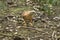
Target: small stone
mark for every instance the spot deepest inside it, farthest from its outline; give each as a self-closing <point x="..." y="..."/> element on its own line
<point x="3" y="38"/>
<point x="58" y="25"/>
<point x="9" y="25"/>
<point x="10" y="38"/>
<point x="18" y="26"/>
<point x="27" y="0"/>
<point x="7" y="28"/>
<point x="16" y="30"/>
<point x="50" y="5"/>
<point x="29" y="38"/>
<point x="47" y="18"/>
<point x="16" y="33"/>
<point x="14" y="17"/>
<point x="43" y="20"/>
<point x="14" y="20"/>
<point x="58" y="32"/>
<point x="41" y="39"/>
<point x="11" y="30"/>
<point x="38" y="17"/>
<point x="0" y="26"/>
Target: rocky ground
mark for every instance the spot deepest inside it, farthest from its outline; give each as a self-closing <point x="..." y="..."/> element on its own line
<point x="45" y="28"/>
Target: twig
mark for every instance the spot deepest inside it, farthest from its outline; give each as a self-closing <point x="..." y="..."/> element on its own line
<point x="6" y="34"/>
<point x="32" y="28"/>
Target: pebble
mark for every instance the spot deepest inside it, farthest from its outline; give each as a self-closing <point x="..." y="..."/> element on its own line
<point x="14" y="17"/>
<point x="58" y="25"/>
<point x="7" y="28"/>
<point x="41" y="39"/>
<point x="16" y="30"/>
<point x="0" y="26"/>
<point x="14" y="20"/>
<point x="9" y="25"/>
<point x="18" y="26"/>
<point x="16" y="33"/>
<point x="11" y="30"/>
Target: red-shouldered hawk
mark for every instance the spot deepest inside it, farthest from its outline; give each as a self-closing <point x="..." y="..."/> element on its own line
<point x="27" y="16"/>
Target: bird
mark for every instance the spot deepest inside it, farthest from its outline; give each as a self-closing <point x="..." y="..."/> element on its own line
<point x="27" y="16"/>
